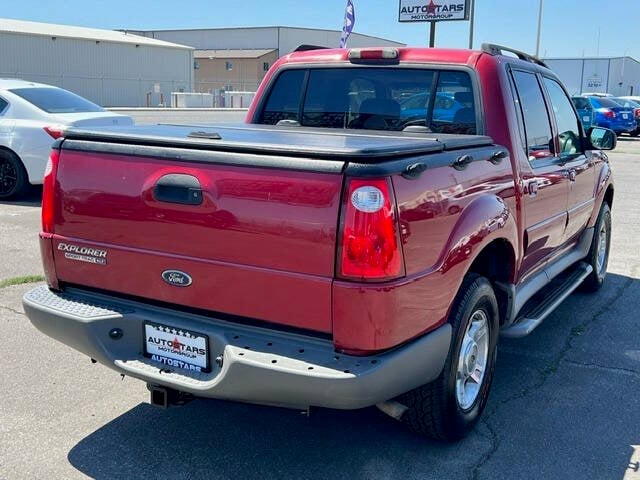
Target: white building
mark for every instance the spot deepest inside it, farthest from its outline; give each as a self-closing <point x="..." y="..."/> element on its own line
<point x="110" y="68"/>
<point x="616" y="75"/>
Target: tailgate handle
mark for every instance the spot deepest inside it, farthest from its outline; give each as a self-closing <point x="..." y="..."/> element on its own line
<point x="178" y="188"/>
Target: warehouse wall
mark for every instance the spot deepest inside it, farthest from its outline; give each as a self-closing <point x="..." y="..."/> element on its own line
<point x="110" y="74"/>
<point x="285" y="39"/>
<point x="219" y="38"/>
<point x="618" y="76"/>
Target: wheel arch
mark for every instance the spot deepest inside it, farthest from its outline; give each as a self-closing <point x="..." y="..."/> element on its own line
<point x="497" y="262"/>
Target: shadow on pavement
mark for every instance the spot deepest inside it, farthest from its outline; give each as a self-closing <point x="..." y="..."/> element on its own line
<point x="217" y="439"/>
<point x="32" y="198"/>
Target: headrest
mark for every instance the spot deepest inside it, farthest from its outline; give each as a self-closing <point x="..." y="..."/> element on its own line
<point x="465" y="98"/>
<point x="380" y="106"/>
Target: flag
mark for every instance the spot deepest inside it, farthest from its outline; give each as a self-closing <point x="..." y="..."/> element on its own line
<point x="349" y="20"/>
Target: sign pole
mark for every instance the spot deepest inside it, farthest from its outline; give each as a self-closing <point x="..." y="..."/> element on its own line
<point x="432" y="34"/>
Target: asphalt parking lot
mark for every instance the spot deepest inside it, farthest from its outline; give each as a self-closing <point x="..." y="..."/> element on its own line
<point x="565" y="403"/>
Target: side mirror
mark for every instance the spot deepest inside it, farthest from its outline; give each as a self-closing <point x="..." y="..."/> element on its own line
<point x="602" y="138"/>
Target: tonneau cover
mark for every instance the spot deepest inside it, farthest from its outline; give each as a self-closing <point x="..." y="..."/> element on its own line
<point x="365" y="146"/>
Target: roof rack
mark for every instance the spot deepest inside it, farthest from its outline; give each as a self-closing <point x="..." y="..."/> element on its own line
<point x="305" y="48"/>
<point x="493" y="49"/>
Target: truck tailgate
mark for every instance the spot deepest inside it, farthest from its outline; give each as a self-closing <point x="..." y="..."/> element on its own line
<point x="261" y="243"/>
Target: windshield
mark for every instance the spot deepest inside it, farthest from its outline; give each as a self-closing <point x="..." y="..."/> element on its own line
<point x="373" y="99"/>
<point x="56" y="100"/>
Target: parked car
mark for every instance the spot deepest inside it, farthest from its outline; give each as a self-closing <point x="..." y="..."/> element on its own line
<point x="610" y="114"/>
<point x="32" y="116"/>
<point x="445" y="107"/>
<point x="366" y="261"/>
<point x="633" y="105"/>
<point x="585" y="111"/>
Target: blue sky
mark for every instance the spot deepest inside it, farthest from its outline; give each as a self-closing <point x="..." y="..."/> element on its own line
<point x="570" y="27"/>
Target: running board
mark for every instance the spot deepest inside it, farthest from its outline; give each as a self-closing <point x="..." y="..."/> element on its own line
<point x="546" y="301"/>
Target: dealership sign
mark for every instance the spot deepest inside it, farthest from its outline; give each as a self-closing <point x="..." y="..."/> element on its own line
<point x="433" y="11"/>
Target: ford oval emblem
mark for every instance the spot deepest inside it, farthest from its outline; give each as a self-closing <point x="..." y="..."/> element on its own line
<point x="176" y="278"/>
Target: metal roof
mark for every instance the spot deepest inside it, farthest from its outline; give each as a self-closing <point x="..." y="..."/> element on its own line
<point x="233" y="53"/>
<point x="8" y="25"/>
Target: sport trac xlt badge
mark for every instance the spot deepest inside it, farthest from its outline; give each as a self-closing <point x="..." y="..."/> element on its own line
<point x="84" y="254"/>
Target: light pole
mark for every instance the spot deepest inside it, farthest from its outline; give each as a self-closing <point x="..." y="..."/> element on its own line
<point x="472" y="8"/>
<point x="539" y="28"/>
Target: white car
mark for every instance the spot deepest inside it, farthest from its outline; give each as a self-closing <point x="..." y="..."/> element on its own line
<point x="32" y="116"/>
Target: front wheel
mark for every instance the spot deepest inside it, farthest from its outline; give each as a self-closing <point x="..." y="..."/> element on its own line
<point x="598" y="256"/>
<point x="449" y="407"/>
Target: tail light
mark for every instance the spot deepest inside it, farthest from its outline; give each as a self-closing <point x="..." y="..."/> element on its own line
<point x="636" y="112"/>
<point x="48" y="192"/>
<point x="54" y="131"/>
<point x="608" y="113"/>
<point x="369" y="247"/>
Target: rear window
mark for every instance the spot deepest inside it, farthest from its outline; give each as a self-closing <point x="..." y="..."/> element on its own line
<point x="606" y="103"/>
<point x="373" y="98"/>
<point x="56" y="100"/>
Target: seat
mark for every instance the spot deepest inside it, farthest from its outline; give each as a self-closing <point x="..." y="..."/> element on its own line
<point x="377" y="114"/>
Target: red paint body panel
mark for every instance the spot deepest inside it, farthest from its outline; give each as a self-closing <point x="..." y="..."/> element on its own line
<point x="263" y="244"/>
<point x="247" y="246"/>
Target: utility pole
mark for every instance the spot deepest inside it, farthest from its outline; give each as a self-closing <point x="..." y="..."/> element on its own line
<point x="539" y="28"/>
<point x="472" y="7"/>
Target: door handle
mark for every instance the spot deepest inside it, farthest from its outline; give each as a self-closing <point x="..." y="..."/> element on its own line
<point x="178" y="188"/>
<point x="572" y="175"/>
<point x="532" y="188"/>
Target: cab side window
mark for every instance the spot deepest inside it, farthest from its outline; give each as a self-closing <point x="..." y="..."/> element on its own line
<point x="535" y="117"/>
<point x="566" y="120"/>
<point x="3" y="106"/>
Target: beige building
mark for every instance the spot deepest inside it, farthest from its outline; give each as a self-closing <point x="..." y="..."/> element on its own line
<point x="229" y="69"/>
<point x="236" y="59"/>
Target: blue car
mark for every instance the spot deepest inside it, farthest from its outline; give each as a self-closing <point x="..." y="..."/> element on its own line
<point x="586" y="112"/>
<point x="444" y="108"/>
<point x="610" y="114"/>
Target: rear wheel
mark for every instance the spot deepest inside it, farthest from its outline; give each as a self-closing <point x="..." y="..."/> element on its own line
<point x="598" y="256"/>
<point x="449" y="407"/>
<point x="13" y="177"/>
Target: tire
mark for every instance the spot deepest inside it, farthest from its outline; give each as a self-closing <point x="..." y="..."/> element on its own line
<point x="635" y="133"/>
<point x="439" y="410"/>
<point x="598" y="256"/>
<point x="13" y="176"/>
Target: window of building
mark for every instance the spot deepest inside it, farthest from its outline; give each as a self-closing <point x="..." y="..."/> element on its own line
<point x="265" y="66"/>
<point x="228" y="65"/>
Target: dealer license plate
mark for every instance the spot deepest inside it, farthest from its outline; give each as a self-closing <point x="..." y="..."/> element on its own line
<point x="586" y="119"/>
<point x="176" y="347"/>
<point x="625" y="115"/>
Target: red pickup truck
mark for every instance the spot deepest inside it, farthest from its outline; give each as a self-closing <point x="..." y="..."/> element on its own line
<point x="383" y="215"/>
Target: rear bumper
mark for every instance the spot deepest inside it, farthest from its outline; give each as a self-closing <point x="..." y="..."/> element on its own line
<point x="258" y="365"/>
